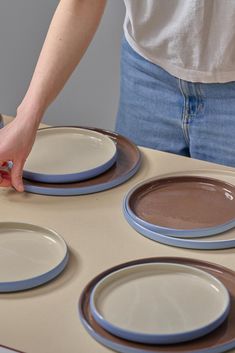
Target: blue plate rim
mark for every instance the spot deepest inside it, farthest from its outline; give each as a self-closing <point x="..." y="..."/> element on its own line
<point x="181" y="233"/>
<point x="28" y="283"/>
<point x="72" y="177"/>
<point x="93" y="188"/>
<point x="159" y="338"/>
<point x="124" y="349"/>
<point x="120" y="345"/>
<point x="178" y="242"/>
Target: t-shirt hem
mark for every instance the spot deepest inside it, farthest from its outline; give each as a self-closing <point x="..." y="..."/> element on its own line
<point x="182" y="73"/>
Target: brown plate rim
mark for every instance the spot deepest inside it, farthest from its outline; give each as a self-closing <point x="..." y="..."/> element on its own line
<point x="212" y="268"/>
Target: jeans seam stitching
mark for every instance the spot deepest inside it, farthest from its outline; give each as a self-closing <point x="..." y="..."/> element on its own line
<point x="185" y="116"/>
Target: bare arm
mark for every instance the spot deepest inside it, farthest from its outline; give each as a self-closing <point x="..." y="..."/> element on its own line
<point x="71" y="30"/>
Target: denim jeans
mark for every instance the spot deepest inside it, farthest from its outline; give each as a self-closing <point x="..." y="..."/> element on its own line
<point x="160" y="111"/>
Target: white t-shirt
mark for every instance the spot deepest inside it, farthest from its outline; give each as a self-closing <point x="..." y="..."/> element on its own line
<point x="191" y="39"/>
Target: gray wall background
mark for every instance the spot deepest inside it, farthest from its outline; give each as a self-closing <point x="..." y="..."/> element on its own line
<point x="91" y="95"/>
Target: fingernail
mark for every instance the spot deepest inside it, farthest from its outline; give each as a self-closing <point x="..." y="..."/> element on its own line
<point x="20" y="188"/>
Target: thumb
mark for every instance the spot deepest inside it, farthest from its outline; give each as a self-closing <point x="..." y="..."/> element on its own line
<point x="16" y="176"/>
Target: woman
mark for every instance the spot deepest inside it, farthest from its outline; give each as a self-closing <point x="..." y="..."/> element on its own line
<point x="177" y="77"/>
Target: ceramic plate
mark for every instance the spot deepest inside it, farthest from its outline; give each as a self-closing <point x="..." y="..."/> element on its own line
<point x="67" y="154"/>
<point x="224" y="240"/>
<point x="219" y="340"/>
<point x="183" y="206"/>
<point x="160" y="303"/>
<point x="127" y="164"/>
<point x="4" y="349"/>
<point x="29" y="256"/>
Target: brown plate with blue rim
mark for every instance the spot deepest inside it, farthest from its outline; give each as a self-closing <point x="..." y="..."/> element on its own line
<point x="220" y="340"/>
<point x="183" y="206"/>
<point x="127" y="163"/>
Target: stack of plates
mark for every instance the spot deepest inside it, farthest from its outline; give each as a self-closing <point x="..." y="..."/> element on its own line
<point x="30" y="256"/>
<point x="161" y="305"/>
<point x="187" y="211"/>
<point x="74" y="161"/>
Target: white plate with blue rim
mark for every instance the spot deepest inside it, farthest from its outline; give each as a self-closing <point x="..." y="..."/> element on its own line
<point x="30" y="256"/>
<point x="127" y="164"/>
<point x="159" y="303"/>
<point x="69" y="154"/>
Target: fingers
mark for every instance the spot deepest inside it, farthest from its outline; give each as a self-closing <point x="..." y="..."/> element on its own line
<point x="16" y="176"/>
<point x="5" y="179"/>
<point x="3" y="164"/>
<point x="12" y="177"/>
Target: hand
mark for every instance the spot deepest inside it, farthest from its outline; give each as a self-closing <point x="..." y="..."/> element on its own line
<point x="5" y="179"/>
<point x="16" y="141"/>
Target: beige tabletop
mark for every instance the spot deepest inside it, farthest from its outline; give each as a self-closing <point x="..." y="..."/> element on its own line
<point x="45" y="319"/>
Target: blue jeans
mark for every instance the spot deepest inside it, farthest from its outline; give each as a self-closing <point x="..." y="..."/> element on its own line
<point x="160" y="111"/>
